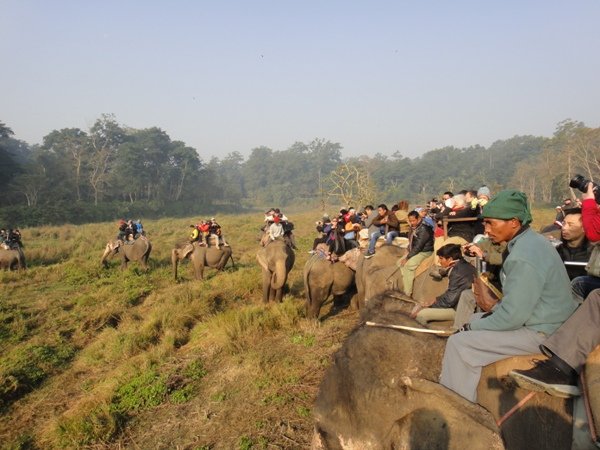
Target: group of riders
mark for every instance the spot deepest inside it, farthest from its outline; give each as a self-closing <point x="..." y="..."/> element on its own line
<point x="278" y="227"/>
<point x="208" y="233"/>
<point x="10" y="239"/>
<point x="130" y="230"/>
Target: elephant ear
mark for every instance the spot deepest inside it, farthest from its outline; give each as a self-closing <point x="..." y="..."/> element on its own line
<point x="185" y="251"/>
<point x="261" y="257"/>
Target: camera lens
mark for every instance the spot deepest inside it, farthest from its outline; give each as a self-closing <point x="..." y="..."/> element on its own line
<point x="579" y="182"/>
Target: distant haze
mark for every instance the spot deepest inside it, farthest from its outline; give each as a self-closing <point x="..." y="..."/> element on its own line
<point x="380" y="76"/>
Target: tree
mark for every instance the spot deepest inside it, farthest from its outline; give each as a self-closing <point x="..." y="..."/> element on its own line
<point x="352" y="185"/>
<point x="105" y="137"/>
<point x="71" y="145"/>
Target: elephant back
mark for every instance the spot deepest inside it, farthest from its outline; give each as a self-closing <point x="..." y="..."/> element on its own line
<point x="138" y="249"/>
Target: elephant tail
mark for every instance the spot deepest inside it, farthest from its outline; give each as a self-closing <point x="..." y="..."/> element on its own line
<point x="307" y="269"/>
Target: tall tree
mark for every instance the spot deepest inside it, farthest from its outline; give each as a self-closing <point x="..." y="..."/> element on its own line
<point x="105" y="137"/>
<point x="72" y="146"/>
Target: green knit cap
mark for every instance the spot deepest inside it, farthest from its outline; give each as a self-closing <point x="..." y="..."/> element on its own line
<point x="508" y="204"/>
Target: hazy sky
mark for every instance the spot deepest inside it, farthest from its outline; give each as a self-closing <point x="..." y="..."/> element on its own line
<point x="375" y="76"/>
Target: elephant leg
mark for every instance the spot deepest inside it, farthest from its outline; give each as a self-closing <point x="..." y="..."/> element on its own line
<point x="277" y="295"/>
<point x="318" y="295"/>
<point x="266" y="285"/>
<point x="124" y="263"/>
<point x="199" y="271"/>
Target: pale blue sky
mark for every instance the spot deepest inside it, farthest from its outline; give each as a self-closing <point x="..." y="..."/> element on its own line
<point x="376" y="76"/>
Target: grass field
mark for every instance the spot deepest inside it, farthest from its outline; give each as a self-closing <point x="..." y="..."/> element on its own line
<point x="102" y="358"/>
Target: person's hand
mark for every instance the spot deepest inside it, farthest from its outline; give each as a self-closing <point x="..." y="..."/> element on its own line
<point x="472" y="250"/>
<point x="589" y="193"/>
<point x="417" y="308"/>
<point x="420" y="306"/>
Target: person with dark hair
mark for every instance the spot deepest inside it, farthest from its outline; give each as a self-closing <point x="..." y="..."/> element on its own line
<point x="122" y="225"/>
<point x="380" y="221"/>
<point x="590" y="216"/>
<point x="536" y="299"/>
<point x="574" y="246"/>
<point x="420" y="246"/>
<point x="460" y="278"/>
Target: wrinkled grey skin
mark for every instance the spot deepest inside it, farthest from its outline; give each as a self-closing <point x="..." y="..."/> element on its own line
<point x="201" y="257"/>
<point x="381" y="392"/>
<point x="12" y="259"/>
<point x="138" y="251"/>
<point x="276" y="260"/>
<point x="322" y="279"/>
<point x="381" y="273"/>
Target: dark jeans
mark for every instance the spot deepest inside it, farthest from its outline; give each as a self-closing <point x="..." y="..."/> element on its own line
<point x="582" y="286"/>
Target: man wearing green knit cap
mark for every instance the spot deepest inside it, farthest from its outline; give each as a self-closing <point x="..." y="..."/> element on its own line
<point x="536" y="298"/>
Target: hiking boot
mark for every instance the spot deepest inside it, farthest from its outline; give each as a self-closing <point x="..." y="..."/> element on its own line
<point x="369" y="255"/>
<point x="546" y="377"/>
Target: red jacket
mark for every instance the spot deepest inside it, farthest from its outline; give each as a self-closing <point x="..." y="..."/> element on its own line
<point x="590" y="216"/>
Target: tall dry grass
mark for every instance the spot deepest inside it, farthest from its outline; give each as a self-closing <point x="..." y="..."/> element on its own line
<point x="103" y="358"/>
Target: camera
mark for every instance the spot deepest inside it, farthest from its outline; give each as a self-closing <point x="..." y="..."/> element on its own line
<point x="581" y="183"/>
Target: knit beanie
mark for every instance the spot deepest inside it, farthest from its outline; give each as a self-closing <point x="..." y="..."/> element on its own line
<point x="508" y="204"/>
<point x="484" y="190"/>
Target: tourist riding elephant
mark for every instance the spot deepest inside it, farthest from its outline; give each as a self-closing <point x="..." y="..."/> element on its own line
<point x="381" y="392"/>
<point x="323" y="278"/>
<point x="201" y="257"/>
<point x="276" y="260"/>
<point x="138" y="250"/>
<point x="381" y="273"/>
<point x="12" y="259"/>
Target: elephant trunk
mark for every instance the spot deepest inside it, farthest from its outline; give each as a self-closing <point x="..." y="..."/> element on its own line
<point x="174" y="261"/>
<point x="279" y="275"/>
<point x="107" y="252"/>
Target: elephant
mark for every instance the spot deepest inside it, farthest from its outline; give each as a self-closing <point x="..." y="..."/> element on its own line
<point x="381" y="392"/>
<point x="12" y="259"/>
<point x="139" y="250"/>
<point x="276" y="260"/>
<point x="201" y="257"/>
<point x="323" y="278"/>
<point x="380" y="273"/>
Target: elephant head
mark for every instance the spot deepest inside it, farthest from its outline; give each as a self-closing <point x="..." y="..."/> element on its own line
<point x="276" y="261"/>
<point x="177" y="254"/>
<point x="111" y="249"/>
<point x="12" y="259"/>
<point x="201" y="257"/>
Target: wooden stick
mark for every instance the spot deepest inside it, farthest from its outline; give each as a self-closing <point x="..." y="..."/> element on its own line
<point x="407" y="328"/>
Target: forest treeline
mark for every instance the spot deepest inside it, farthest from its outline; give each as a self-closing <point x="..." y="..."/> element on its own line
<point x="112" y="171"/>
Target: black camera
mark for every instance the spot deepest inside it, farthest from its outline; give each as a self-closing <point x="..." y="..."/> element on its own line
<point x="581" y="183"/>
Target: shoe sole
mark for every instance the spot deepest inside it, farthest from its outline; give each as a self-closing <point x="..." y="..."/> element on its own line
<point x="556" y="390"/>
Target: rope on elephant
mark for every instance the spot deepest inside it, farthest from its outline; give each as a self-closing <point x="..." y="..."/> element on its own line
<point x="515" y="408"/>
